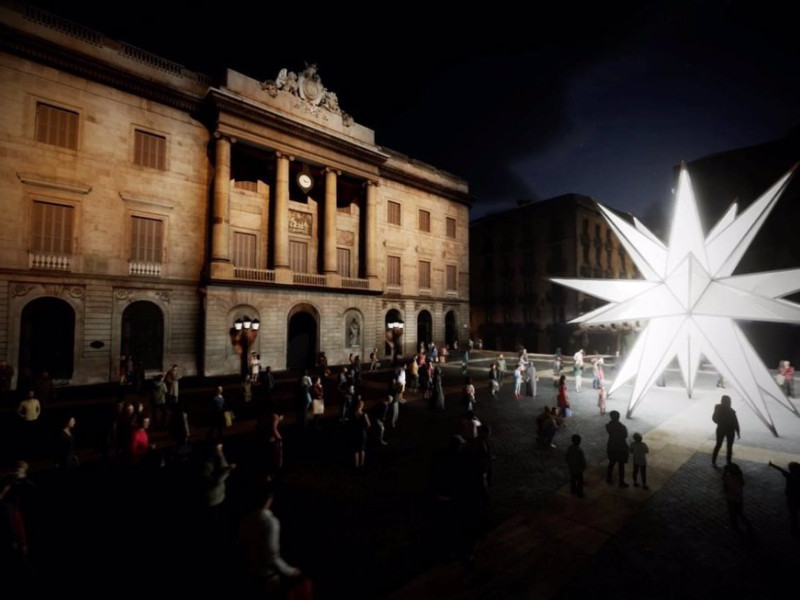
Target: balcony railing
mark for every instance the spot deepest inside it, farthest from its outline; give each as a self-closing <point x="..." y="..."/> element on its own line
<point x="248" y="274"/>
<point x="308" y="278"/>
<point x="144" y="269"/>
<point x="351" y="282"/>
<point x="50" y="262"/>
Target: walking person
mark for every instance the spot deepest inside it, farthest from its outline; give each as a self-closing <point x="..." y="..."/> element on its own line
<point x="302" y="401"/>
<point x="438" y="389"/>
<point x="576" y="463"/>
<point x="639" y="451"/>
<point x="171" y="379"/>
<point x="501" y="368"/>
<point x="518" y="382"/>
<point x="394" y="394"/>
<point x="577" y="369"/>
<point x="359" y="428"/>
<point x="217" y="415"/>
<point x="494" y="381"/>
<point x="28" y="412"/>
<point x="616" y="448"/>
<point x="379" y="412"/>
<point x="259" y="538"/>
<point x="468" y="394"/>
<point x="727" y="425"/>
<point x="158" y="403"/>
<point x="532" y="380"/>
<point x="562" y="399"/>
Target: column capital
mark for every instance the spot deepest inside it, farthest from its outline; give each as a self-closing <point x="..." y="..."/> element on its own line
<point x="336" y="172"/>
<point x="219" y="135"/>
<point x="371" y="182"/>
<point x="280" y="154"/>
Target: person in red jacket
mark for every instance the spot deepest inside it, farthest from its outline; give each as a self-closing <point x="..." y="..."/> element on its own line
<point x="140" y="442"/>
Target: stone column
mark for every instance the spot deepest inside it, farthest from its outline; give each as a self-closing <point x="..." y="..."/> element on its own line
<point x="371" y="233"/>
<point x="281" y="226"/>
<point x="221" y="265"/>
<point x="329" y="267"/>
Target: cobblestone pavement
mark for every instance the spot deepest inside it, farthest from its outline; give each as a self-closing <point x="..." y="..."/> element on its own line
<point x="370" y="534"/>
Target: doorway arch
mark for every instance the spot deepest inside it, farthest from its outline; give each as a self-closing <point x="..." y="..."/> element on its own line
<point x="143" y="334"/>
<point x="47" y="339"/>
<point x="393" y="345"/>
<point x="450" y="328"/>
<point x="301" y="343"/>
<point x="424" y="328"/>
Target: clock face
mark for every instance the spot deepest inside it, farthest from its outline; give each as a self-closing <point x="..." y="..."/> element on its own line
<point x="304" y="181"/>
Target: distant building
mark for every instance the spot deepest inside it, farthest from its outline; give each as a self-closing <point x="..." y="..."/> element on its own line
<point x="149" y="209"/>
<point x="513" y="254"/>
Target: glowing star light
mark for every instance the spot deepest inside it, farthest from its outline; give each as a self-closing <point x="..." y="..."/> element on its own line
<point x="690" y="299"/>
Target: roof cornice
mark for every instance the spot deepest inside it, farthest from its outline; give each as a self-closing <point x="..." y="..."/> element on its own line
<point x="53" y="55"/>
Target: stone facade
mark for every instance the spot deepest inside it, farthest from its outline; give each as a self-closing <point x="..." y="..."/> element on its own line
<point x="148" y="208"/>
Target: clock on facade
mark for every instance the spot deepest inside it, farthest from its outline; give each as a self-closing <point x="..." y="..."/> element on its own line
<point x="305" y="182"/>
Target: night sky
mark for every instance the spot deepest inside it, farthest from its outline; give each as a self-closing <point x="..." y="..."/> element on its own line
<point x="524" y="102"/>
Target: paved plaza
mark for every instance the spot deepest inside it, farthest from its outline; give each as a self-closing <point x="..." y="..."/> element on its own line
<point x="372" y="534"/>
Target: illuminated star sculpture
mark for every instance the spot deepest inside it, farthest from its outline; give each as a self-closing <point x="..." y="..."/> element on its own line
<point x="690" y="300"/>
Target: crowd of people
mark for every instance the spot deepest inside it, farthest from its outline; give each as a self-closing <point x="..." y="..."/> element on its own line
<point x="199" y="467"/>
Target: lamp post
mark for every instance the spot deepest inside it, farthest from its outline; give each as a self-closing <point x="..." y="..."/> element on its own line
<point x="245" y="332"/>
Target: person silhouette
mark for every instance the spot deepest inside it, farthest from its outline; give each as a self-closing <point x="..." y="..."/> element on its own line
<point x="727" y="425"/>
<point x="616" y="448"/>
<point x="792" y="476"/>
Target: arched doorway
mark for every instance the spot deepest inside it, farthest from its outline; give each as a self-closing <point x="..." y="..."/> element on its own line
<point x="301" y="346"/>
<point x="143" y="334"/>
<point x="394" y="334"/>
<point x="47" y="339"/>
<point x="450" y="328"/>
<point x="424" y="328"/>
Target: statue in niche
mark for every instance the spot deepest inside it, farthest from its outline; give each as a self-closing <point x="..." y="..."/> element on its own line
<point x="354" y="332"/>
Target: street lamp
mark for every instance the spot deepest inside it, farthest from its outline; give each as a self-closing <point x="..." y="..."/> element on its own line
<point x="245" y="331"/>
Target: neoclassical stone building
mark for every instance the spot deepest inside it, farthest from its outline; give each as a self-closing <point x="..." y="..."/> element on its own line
<point x="514" y="253"/>
<point x="150" y="211"/>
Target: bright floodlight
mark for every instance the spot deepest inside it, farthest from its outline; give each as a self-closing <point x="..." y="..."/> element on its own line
<point x="690" y="299"/>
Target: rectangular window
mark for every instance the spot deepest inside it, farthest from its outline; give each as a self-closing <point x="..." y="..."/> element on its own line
<point x="147" y="240"/>
<point x="52" y="228"/>
<point x="451" y="227"/>
<point x="56" y="126"/>
<point x="393" y="270"/>
<point x="451" y="275"/>
<point x="425" y="220"/>
<point x="244" y="250"/>
<point x="343" y="261"/>
<point x="393" y="213"/>
<point x="424" y="274"/>
<point x="298" y="256"/>
<point x="150" y="150"/>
